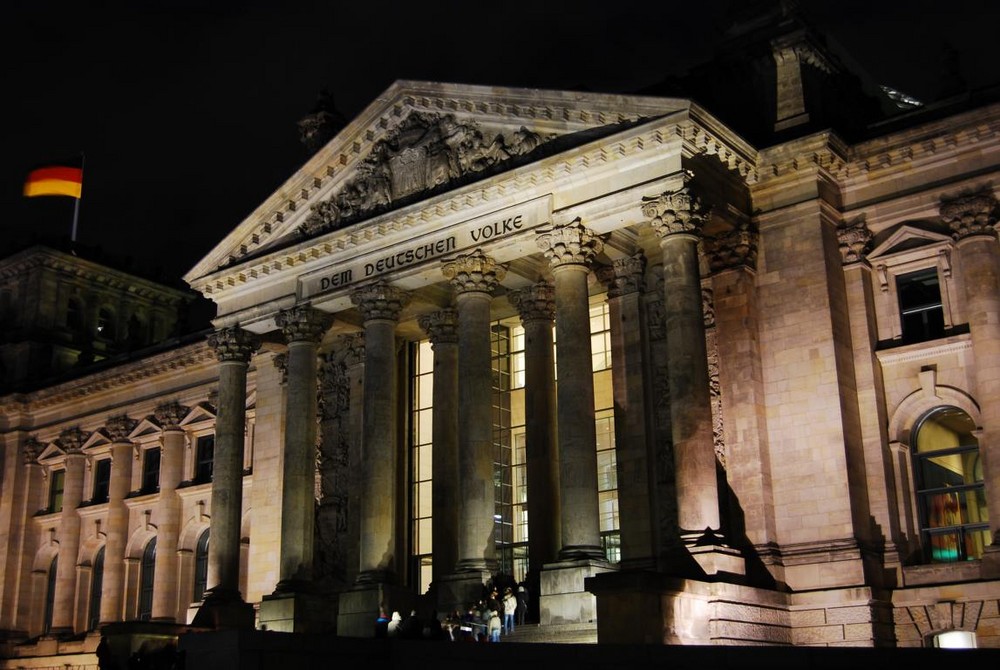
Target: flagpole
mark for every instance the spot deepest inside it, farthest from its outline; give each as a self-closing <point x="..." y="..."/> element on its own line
<point x="76" y="206"/>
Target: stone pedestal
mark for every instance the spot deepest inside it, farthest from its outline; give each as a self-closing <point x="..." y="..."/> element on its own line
<point x="457" y="592"/>
<point x="564" y="597"/>
<point x="359" y="607"/>
<point x="297" y="612"/>
<point x="224" y="609"/>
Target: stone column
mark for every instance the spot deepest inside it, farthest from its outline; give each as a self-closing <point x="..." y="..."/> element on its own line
<point x="677" y="218"/>
<point x="536" y="306"/>
<point x="223" y="605"/>
<point x="113" y="580"/>
<point x="18" y="572"/>
<point x="571" y="249"/>
<point x="442" y="328"/>
<point x="973" y="221"/>
<point x="168" y="511"/>
<point x="303" y="327"/>
<point x="624" y="279"/>
<point x="71" y="441"/>
<point x="474" y="277"/>
<point x="380" y="305"/>
<point x="355" y="362"/>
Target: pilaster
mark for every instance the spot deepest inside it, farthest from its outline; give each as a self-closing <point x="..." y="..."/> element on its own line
<point x="113" y="580"/>
<point x="168" y="511"/>
<point x="63" y="610"/>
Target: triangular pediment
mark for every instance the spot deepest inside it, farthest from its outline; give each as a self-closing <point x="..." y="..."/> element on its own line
<point x="144" y="428"/>
<point x="96" y="443"/>
<point x="51" y="453"/>
<point x="200" y="412"/>
<point x="907" y="237"/>
<point x="419" y="139"/>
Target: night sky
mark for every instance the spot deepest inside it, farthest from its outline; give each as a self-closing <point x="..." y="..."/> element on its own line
<point x="187" y="111"/>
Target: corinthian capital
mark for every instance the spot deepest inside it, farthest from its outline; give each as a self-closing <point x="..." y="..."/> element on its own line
<point x="71" y="440"/>
<point x="32" y="449"/>
<point x="970" y="215"/>
<point x="675" y="212"/>
<point x="535" y="303"/>
<point x="380" y="301"/>
<point x="737" y="248"/>
<point x="170" y="414"/>
<point x="440" y="326"/>
<point x="233" y="344"/>
<point x="624" y="275"/>
<point x="571" y="244"/>
<point x="302" y="324"/>
<point x="475" y="272"/>
<point x="119" y="427"/>
<point x="854" y="238"/>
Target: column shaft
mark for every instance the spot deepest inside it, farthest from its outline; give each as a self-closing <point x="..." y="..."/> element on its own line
<point x="113" y="581"/>
<point x="63" y="611"/>
<point x="168" y="512"/>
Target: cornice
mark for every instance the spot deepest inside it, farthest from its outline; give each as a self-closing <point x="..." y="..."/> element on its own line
<point x="692" y="135"/>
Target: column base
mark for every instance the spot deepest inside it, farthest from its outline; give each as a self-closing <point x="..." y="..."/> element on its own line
<point x="704" y="554"/>
<point x="359" y="607"/>
<point x="224" y="609"/>
<point x="455" y="593"/>
<point x="564" y="596"/>
<point x="297" y="612"/>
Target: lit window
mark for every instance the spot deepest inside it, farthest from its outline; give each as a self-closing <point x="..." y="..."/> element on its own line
<point x="949" y="474"/>
<point x="955" y="639"/>
<point x="920" y="306"/>
<point x="56" y="487"/>
<point x="201" y="567"/>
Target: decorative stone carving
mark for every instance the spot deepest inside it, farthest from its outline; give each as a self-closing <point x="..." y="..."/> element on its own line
<point x="571" y="244"/>
<point x="534" y="303"/>
<point x="854" y="238"/>
<point x="302" y="324"/>
<point x="71" y="440"/>
<point x="715" y="394"/>
<point x="675" y="212"/>
<point x="280" y="362"/>
<point x="118" y="428"/>
<point x="708" y="307"/>
<point x="170" y="414"/>
<point x="321" y="124"/>
<point x="233" y="344"/>
<point x="624" y="275"/>
<point x="656" y="315"/>
<point x="425" y="151"/>
<point x="32" y="450"/>
<point x="353" y="347"/>
<point x="334" y="390"/>
<point x="734" y="249"/>
<point x="475" y="272"/>
<point x="974" y="214"/>
<point x="441" y="326"/>
<point x="380" y="301"/>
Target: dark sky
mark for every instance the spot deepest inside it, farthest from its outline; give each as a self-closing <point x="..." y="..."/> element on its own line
<point x="187" y="111"/>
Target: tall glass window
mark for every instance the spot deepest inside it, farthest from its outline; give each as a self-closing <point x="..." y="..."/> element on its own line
<point x="604" y="417"/>
<point x="949" y="473"/>
<point x="421" y="442"/>
<point x="50" y="595"/>
<point x="147" y="577"/>
<point x="920" y="305"/>
<point x="204" y="458"/>
<point x="96" y="585"/>
<point x="56" y="486"/>
<point x="200" y="567"/>
<point x="151" y="470"/>
<point x="102" y="481"/>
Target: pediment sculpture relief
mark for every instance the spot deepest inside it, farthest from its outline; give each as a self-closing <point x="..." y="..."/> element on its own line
<point x="425" y="151"/>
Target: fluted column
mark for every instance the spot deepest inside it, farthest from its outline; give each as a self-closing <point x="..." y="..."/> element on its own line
<point x="380" y="306"/>
<point x="233" y="347"/>
<point x="677" y="218"/>
<point x="571" y="250"/>
<point x="474" y="277"/>
<point x="442" y="328"/>
<point x="303" y="327"/>
<point x="536" y="306"/>
<point x="168" y="511"/>
<point x="113" y="580"/>
<point x="973" y="222"/>
<point x="71" y="441"/>
<point x="624" y="280"/>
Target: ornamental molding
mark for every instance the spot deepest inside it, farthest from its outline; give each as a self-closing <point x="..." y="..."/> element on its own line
<point x="624" y="276"/>
<point x="474" y="273"/>
<point x="854" y="238"/>
<point x="971" y="214"/>
<point x="570" y="244"/>
<point x="534" y="303"/>
<point x="380" y="301"/>
<point x="736" y="248"/>
<point x="441" y="326"/>
<point x="233" y="344"/>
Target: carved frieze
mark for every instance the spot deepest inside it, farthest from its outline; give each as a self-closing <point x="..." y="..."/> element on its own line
<point x="715" y="395"/>
<point x="425" y="151"/>
<point x="855" y="239"/>
<point x="474" y="272"/>
<point x="571" y="244"/>
<point x="380" y="301"/>
<point x="535" y="303"/>
<point x="974" y="214"/>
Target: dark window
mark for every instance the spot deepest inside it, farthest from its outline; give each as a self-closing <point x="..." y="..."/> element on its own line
<point x="151" y="470"/>
<point x="148" y="576"/>
<point x="102" y="481"/>
<point x="920" y="306"/>
<point x="50" y="595"/>
<point x="205" y="454"/>
<point x="949" y="475"/>
<point x="106" y="323"/>
<point x="56" y="490"/>
<point x="96" y="585"/>
<point x="201" y="567"/>
<point x="74" y="316"/>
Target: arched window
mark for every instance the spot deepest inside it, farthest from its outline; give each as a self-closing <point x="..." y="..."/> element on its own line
<point x="50" y="594"/>
<point x="201" y="567"/>
<point x="147" y="577"/>
<point x="950" y="493"/>
<point x="96" y="584"/>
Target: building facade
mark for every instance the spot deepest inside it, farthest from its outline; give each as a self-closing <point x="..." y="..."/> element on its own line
<point x="599" y="344"/>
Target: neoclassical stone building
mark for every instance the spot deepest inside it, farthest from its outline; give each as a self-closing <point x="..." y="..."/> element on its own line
<point x="600" y="344"/>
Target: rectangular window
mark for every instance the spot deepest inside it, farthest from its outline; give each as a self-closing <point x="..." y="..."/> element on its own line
<point x="421" y="444"/>
<point x="920" y="306"/>
<point x="151" y="470"/>
<point x="204" y="457"/>
<point x="56" y="486"/>
<point x="102" y="481"/>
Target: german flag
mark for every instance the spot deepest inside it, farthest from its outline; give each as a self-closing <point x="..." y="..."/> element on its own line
<point x="54" y="180"/>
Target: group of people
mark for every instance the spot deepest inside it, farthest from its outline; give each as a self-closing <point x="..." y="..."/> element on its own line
<point x="488" y="620"/>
